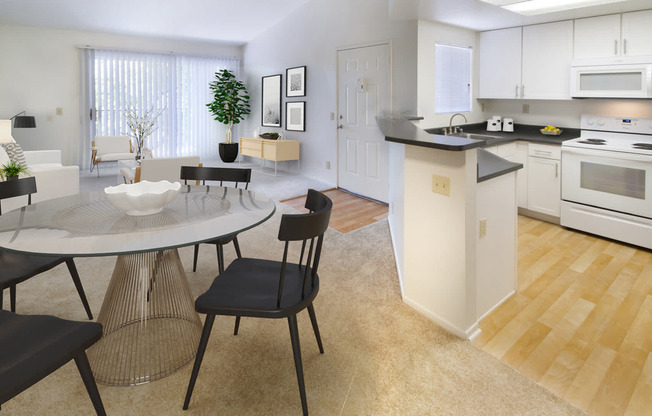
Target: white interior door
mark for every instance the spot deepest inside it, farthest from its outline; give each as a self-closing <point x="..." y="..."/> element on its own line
<point x="364" y="92"/>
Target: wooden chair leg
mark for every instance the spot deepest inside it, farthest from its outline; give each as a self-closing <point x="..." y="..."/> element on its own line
<point x="220" y="257"/>
<point x="194" y="260"/>
<point x="315" y="327"/>
<point x="296" y="350"/>
<point x="206" y="333"/>
<point x="80" y="289"/>
<point x="237" y="247"/>
<point x="89" y="381"/>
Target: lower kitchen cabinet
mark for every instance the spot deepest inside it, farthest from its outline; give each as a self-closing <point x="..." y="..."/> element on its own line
<point x="544" y="179"/>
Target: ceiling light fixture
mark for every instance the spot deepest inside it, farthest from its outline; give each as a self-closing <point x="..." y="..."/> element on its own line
<point x="534" y="7"/>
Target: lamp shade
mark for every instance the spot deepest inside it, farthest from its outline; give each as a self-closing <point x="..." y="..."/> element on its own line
<point x="24" y="122"/>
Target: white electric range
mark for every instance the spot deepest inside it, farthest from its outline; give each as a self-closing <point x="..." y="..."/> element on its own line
<point x="607" y="179"/>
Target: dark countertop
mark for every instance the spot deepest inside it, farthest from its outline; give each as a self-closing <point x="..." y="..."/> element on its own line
<point x="489" y="165"/>
<point x="404" y="131"/>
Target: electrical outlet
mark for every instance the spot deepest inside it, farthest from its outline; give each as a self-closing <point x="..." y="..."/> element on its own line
<point x="441" y="185"/>
<point x="483" y="227"/>
<point x="328" y="165"/>
<point x="526" y="108"/>
<point x="482" y="108"/>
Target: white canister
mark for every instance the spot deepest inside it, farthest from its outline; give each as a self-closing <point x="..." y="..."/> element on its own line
<point x="494" y="125"/>
<point x="508" y="125"/>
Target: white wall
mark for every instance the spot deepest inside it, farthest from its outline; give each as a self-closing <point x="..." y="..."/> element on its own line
<point x="565" y="113"/>
<point x="39" y="72"/>
<point x="311" y="36"/>
<point x="431" y="33"/>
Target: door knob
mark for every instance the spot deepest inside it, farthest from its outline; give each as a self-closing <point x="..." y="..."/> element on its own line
<point x="340" y="126"/>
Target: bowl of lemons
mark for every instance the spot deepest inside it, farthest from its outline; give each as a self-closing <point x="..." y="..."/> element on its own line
<point x="551" y="130"/>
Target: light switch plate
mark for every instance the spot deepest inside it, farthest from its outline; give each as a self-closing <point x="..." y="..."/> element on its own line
<point x="441" y="185"/>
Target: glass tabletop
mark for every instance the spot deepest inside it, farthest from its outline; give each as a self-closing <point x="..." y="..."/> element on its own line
<point x="88" y="225"/>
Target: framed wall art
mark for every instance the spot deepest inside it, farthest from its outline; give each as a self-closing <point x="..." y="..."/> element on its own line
<point x="271" y="101"/>
<point x="295" y="82"/>
<point x="295" y="116"/>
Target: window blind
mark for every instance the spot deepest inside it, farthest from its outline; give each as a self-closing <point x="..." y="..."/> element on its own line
<point x="177" y="86"/>
<point x="452" y="78"/>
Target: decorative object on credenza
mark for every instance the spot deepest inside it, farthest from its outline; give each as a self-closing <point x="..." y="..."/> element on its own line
<point x="295" y="82"/>
<point x="142" y="198"/>
<point x="12" y="169"/>
<point x="295" y="116"/>
<point x="230" y="105"/>
<point x="271" y="101"/>
<point x="269" y="136"/>
<point x="23" y="121"/>
<point x="141" y="125"/>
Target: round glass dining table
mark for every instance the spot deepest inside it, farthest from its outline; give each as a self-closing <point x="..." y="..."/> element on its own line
<point x="151" y="328"/>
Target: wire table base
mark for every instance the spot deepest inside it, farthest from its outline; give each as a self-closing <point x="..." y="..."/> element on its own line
<point x="151" y="328"/>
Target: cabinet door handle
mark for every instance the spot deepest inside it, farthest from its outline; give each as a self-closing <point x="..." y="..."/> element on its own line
<point x="624" y="46"/>
<point x="522" y="91"/>
<point x="543" y="152"/>
<point x="556" y="170"/>
<point x="615" y="46"/>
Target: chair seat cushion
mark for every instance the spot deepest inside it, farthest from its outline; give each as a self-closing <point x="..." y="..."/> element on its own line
<point x="18" y="267"/>
<point x="249" y="287"/>
<point x="112" y="157"/>
<point x="33" y="346"/>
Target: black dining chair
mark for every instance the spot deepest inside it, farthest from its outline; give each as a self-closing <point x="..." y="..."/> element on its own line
<point x="15" y="267"/>
<point x="236" y="176"/>
<point x="272" y="289"/>
<point x="34" y="346"/>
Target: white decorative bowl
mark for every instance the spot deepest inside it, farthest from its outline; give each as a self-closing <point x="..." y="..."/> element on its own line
<point x="142" y="198"/>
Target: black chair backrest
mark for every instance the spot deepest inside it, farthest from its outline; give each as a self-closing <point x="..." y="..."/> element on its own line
<point x="305" y="228"/>
<point x="203" y="173"/>
<point x="18" y="187"/>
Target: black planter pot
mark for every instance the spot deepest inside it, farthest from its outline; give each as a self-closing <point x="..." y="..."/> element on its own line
<point x="228" y="152"/>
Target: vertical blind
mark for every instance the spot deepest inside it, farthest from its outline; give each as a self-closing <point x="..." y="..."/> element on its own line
<point x="452" y="78"/>
<point x="175" y="86"/>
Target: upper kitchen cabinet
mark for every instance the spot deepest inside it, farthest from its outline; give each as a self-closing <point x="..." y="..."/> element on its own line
<point x="500" y="64"/>
<point x="636" y="33"/>
<point x="613" y="36"/>
<point x="532" y="62"/>
<point x="547" y="55"/>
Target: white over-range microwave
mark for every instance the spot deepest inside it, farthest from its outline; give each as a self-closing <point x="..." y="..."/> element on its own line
<point x="611" y="81"/>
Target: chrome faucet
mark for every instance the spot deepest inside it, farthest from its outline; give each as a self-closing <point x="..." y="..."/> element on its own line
<point x="450" y="124"/>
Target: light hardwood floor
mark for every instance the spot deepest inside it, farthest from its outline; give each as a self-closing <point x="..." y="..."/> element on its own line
<point x="581" y="322"/>
<point x="349" y="213"/>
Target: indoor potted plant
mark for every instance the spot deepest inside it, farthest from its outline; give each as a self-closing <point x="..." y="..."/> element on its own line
<point x="11" y="170"/>
<point x="229" y="106"/>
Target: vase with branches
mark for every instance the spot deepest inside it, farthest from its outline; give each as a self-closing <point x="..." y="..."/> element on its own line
<point x="230" y="103"/>
<point x="141" y="125"/>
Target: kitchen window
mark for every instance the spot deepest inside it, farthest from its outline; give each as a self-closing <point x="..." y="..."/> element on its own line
<point x="452" y="78"/>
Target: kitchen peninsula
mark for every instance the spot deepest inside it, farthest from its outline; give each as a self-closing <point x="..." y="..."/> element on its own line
<point x="457" y="226"/>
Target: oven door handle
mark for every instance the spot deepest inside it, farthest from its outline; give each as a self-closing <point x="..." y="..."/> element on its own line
<point x="606" y="153"/>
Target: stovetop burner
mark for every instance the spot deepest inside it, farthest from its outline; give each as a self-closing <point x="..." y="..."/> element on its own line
<point x="593" y="141"/>
<point x="645" y="146"/>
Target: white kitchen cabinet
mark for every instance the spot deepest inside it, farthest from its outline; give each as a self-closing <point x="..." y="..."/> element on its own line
<point x="615" y="35"/>
<point x="517" y="152"/>
<point x="547" y="56"/>
<point x="636" y="33"/>
<point x="544" y="179"/>
<point x="532" y="62"/>
<point x="500" y="64"/>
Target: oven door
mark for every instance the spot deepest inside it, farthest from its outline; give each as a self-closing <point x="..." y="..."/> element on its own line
<point x="605" y="179"/>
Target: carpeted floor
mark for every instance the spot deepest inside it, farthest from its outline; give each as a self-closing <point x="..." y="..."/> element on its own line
<point x="381" y="357"/>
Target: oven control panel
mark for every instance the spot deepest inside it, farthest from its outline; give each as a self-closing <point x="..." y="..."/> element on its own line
<point x="640" y="125"/>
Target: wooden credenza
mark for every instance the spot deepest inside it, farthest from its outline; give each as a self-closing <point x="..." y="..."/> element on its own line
<point x="272" y="150"/>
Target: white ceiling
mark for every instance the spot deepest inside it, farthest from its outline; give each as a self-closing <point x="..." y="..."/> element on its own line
<point x="239" y="21"/>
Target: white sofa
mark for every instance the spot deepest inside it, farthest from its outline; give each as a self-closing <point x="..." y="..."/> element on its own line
<point x="53" y="180"/>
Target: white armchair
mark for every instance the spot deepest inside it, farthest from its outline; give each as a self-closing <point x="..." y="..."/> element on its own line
<point x="53" y="180"/>
<point x="110" y="149"/>
<point x="164" y="169"/>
